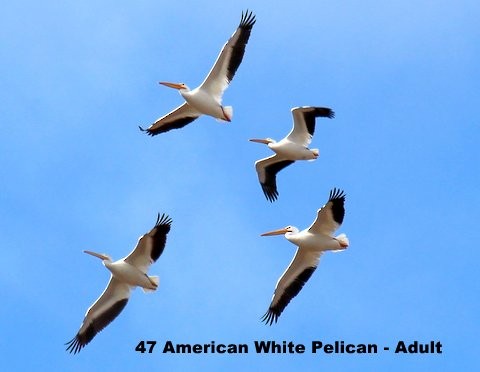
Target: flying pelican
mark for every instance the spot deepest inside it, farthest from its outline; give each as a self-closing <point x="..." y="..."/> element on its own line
<point x="293" y="147"/>
<point x="127" y="273"/>
<point x="311" y="242"/>
<point x="207" y="98"/>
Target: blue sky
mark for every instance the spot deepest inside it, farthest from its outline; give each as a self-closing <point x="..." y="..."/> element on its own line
<point x="78" y="78"/>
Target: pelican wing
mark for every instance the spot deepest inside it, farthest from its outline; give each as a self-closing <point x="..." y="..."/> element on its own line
<point x="330" y="216"/>
<point x="291" y="282"/>
<point x="175" y="119"/>
<point x="107" y="307"/>
<point x="151" y="245"/>
<point x="304" y="123"/>
<point x="229" y="58"/>
<point x="267" y="170"/>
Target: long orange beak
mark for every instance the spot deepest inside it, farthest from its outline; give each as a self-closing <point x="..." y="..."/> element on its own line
<point x="172" y="85"/>
<point x="259" y="140"/>
<point x="275" y="232"/>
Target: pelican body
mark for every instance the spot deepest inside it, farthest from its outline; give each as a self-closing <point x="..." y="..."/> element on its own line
<point x="202" y="101"/>
<point x="126" y="274"/>
<point x="311" y="243"/>
<point x="308" y="240"/>
<point x="290" y="149"/>
<point x="206" y="99"/>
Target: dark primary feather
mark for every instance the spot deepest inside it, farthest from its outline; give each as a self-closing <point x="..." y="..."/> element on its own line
<point x="159" y="235"/>
<point x="97" y="324"/>
<point x="176" y="124"/>
<point x="315" y="113"/>
<point x="269" y="186"/>
<point x="337" y="198"/>
<point x="290" y="292"/>
<point x="245" y="27"/>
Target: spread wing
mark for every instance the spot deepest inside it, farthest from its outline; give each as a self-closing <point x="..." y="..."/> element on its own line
<point x="304" y="123"/>
<point x="151" y="245"/>
<point x="107" y="307"/>
<point x="291" y="282"/>
<point x="229" y="58"/>
<point x="330" y="216"/>
<point x="175" y="119"/>
<point x="267" y="170"/>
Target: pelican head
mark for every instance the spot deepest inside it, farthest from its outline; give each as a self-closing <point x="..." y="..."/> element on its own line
<point x="265" y="141"/>
<point x="288" y="229"/>
<point x="179" y="86"/>
<point x="102" y="256"/>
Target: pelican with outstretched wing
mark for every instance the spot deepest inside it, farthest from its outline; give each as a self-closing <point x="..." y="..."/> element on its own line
<point x="311" y="242"/>
<point x="127" y="273"/>
<point x="290" y="149"/>
<point x="206" y="99"/>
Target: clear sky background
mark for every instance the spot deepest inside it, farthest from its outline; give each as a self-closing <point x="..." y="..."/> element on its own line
<point x="77" y="78"/>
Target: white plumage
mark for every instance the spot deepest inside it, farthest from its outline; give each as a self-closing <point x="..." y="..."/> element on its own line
<point x="290" y="149"/>
<point x="311" y="242"/>
<point x="206" y="99"/>
<point x="126" y="274"/>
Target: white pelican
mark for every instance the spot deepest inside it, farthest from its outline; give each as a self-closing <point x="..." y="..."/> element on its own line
<point x="206" y="99"/>
<point x="127" y="273"/>
<point x="293" y="147"/>
<point x="311" y="242"/>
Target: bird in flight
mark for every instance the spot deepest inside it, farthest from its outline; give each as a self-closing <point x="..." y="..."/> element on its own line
<point x="126" y="274"/>
<point x="311" y="242"/>
<point x="206" y="99"/>
<point x="290" y="149"/>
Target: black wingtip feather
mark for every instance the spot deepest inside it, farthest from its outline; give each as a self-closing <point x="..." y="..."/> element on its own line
<point x="98" y="324"/>
<point x="163" y="221"/>
<point x="337" y="194"/>
<point x="324" y="112"/>
<point x="289" y="293"/>
<point x="245" y="27"/>
<point x="269" y="186"/>
<point x="177" y="124"/>
<point x="248" y="20"/>
<point x="270" y="317"/>
<point x="159" y="234"/>
<point x="270" y="192"/>
<point x="310" y="113"/>
<point x="337" y="197"/>
<point x="147" y="131"/>
<point x="74" y="345"/>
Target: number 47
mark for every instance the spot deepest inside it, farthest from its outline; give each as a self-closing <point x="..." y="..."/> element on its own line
<point x="141" y="346"/>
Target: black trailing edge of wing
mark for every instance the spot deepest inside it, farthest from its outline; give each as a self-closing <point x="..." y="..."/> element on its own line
<point x="290" y="292"/>
<point x="310" y="116"/>
<point x="177" y="124"/>
<point x="245" y="27"/>
<point x="269" y="187"/>
<point x="81" y="339"/>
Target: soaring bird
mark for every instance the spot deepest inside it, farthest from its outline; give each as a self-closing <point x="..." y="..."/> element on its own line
<point x="127" y="273"/>
<point x="293" y="147"/>
<point x="206" y="99"/>
<point x="311" y="242"/>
